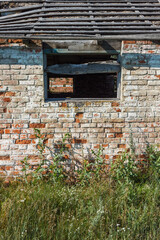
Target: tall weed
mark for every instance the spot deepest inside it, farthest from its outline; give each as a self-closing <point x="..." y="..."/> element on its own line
<point x="100" y="211"/>
<point x="123" y="206"/>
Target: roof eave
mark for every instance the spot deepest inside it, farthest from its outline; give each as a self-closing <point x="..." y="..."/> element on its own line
<point x="107" y="37"/>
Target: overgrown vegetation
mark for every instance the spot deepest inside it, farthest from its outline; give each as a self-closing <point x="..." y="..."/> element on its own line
<point x="55" y="169"/>
<point x="123" y="205"/>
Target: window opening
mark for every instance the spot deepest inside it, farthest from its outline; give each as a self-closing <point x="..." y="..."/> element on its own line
<point x="82" y="76"/>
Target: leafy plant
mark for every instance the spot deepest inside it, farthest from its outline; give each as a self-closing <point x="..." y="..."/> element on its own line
<point x="92" y="169"/>
<point x="25" y="169"/>
<point x="124" y="168"/>
<point x="153" y="161"/>
<point x="47" y="169"/>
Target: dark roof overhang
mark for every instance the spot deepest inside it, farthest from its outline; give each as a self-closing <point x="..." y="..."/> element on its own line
<point x="82" y="19"/>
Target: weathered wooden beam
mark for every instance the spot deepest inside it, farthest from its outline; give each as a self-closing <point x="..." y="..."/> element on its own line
<point x="21" y="8"/>
<point x="22" y="1"/>
<point x="54" y="1"/>
<point x="70" y="28"/>
<point x="101" y="4"/>
<point x="99" y="28"/>
<point x="98" y="19"/>
<point x="80" y="32"/>
<point x="50" y="12"/>
<point x="77" y="8"/>
<point x="84" y="4"/>
<point x="86" y="68"/>
<point x="79" y="18"/>
<point x="47" y="23"/>
<point x="139" y="21"/>
<point x="77" y="25"/>
<point x="30" y="14"/>
<point x="153" y="36"/>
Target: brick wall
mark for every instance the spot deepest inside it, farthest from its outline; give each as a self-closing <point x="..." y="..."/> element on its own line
<point x="91" y="123"/>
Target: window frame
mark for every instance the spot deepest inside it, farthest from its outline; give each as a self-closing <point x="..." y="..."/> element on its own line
<point x="46" y="85"/>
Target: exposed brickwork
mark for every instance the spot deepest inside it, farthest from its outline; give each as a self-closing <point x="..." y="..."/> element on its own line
<point x="90" y="123"/>
<point x="63" y="85"/>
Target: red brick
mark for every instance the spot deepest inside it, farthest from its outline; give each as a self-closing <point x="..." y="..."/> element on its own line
<point x="61" y="115"/>
<point x="126" y="46"/>
<point x="107" y="157"/>
<point x="45" y="141"/>
<point x="2" y="173"/>
<point x="16" y="173"/>
<point x="2" y="168"/>
<point x="142" y="61"/>
<point x="105" y="145"/>
<point x="65" y="157"/>
<point x="115" y="157"/>
<point x="7" y="125"/>
<point x="1" y="131"/>
<point x="2" y="94"/>
<point x="18" y="125"/>
<point x="33" y="157"/>
<point x="16" y="131"/>
<point x="7" y="158"/>
<point x="79" y="115"/>
<point x="37" y="125"/>
<point x="6" y="100"/>
<point x="115" y="104"/>
<point x="129" y="42"/>
<point x="96" y="115"/>
<point x="115" y="130"/>
<point x="3" y="41"/>
<point x="68" y="146"/>
<point x="150" y="51"/>
<point x="23" y="141"/>
<point x="23" y="136"/>
<point x="97" y="146"/>
<point x="77" y="120"/>
<point x="64" y="105"/>
<point x="15" y="40"/>
<point x="79" y="141"/>
<point x="9" y="94"/>
<point x="8" y="131"/>
<point x="32" y="136"/>
<point x="8" y="168"/>
<point x="119" y="135"/>
<point x="110" y="136"/>
<point x="121" y="145"/>
<point x="49" y="136"/>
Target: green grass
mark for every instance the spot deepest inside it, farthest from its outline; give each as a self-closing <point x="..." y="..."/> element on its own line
<point x="125" y="205"/>
<point x="101" y="210"/>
